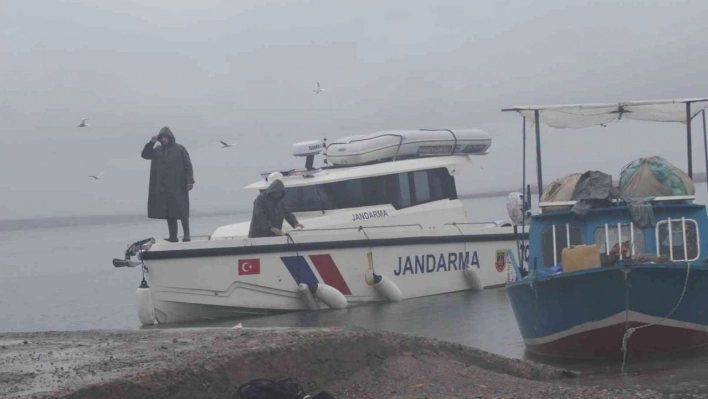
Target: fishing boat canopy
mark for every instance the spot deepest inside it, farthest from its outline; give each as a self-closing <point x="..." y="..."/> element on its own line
<point x="586" y="115"/>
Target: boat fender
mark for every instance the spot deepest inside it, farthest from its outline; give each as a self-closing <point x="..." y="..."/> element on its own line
<point x="473" y="278"/>
<point x="143" y="299"/>
<point x="387" y="288"/>
<point x="329" y="295"/>
<point x="307" y="298"/>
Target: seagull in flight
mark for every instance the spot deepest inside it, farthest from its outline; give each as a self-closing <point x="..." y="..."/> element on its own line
<point x="227" y="145"/>
<point x="318" y="89"/>
<point x="98" y="176"/>
<point x="83" y="122"/>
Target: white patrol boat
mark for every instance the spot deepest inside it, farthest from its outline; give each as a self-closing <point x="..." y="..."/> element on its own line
<point x="382" y="223"/>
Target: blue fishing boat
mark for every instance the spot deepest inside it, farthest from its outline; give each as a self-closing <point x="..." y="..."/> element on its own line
<point x="610" y="275"/>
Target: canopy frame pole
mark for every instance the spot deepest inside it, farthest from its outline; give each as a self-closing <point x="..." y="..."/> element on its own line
<point x="705" y="139"/>
<point x="688" y="140"/>
<point x="523" y="190"/>
<point x="539" y="170"/>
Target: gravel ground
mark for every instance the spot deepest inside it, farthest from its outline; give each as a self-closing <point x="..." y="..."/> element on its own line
<point x="212" y="362"/>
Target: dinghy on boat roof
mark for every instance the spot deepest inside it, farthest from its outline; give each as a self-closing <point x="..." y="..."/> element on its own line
<point x="404" y="144"/>
<point x="389" y="146"/>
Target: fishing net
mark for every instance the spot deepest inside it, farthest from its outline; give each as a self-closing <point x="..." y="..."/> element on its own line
<point x="654" y="177"/>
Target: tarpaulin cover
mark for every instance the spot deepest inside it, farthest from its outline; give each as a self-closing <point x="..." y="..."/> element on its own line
<point x="641" y="211"/>
<point x="560" y="190"/>
<point x="594" y="188"/>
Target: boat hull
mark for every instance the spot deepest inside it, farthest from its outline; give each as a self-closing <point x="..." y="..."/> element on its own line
<point x="227" y="278"/>
<point x="586" y="314"/>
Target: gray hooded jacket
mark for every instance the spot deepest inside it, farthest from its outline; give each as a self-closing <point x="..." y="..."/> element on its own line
<point x="269" y="210"/>
<point x="170" y="172"/>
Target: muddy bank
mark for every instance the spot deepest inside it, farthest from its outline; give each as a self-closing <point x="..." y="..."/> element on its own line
<point x="211" y="363"/>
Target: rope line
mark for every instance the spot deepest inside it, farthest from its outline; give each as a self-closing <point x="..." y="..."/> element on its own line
<point x="628" y="332"/>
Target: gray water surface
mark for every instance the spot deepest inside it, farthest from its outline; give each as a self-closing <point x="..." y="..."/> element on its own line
<point x="62" y="278"/>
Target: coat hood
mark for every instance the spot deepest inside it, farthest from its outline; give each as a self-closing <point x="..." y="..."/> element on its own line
<point x="165" y="131"/>
<point x="275" y="188"/>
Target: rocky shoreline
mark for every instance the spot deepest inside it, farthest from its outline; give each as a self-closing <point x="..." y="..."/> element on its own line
<point x="212" y="362"/>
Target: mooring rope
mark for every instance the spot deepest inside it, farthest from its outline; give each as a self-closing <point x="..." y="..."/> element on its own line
<point x="290" y="240"/>
<point x="628" y="332"/>
<point x="464" y="242"/>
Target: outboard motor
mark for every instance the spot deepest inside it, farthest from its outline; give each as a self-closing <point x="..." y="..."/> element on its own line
<point x="133" y="250"/>
<point x="143" y="297"/>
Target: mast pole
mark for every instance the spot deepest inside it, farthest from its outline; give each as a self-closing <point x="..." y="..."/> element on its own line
<point x="705" y="140"/>
<point x="688" y="140"/>
<point x="539" y="172"/>
<point x="522" y="251"/>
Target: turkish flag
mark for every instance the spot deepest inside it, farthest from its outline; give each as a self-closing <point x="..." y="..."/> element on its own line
<point x="249" y="266"/>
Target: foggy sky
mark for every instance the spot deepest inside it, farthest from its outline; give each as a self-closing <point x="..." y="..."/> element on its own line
<point x="225" y="70"/>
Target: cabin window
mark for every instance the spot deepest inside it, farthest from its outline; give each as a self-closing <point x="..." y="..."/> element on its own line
<point x="422" y="186"/>
<point x="399" y="190"/>
<point x="682" y="243"/>
<point x="608" y="237"/>
<point x="306" y="199"/>
<point x="438" y="184"/>
<point x="347" y="194"/>
<point x="556" y="238"/>
<point x="404" y="188"/>
<point x="431" y="185"/>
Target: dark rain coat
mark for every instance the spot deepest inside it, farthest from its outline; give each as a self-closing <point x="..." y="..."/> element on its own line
<point x="170" y="172"/>
<point x="269" y="210"/>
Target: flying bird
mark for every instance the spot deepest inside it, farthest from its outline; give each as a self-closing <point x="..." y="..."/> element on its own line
<point x="226" y="145"/>
<point x="83" y="122"/>
<point x="318" y="89"/>
<point x="98" y="176"/>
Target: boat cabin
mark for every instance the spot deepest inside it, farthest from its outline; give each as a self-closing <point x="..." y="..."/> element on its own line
<point x="675" y="235"/>
<point x="401" y="168"/>
<point x="405" y="184"/>
<point x="390" y="178"/>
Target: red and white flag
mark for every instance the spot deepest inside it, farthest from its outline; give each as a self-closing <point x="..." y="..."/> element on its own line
<point x="249" y="266"/>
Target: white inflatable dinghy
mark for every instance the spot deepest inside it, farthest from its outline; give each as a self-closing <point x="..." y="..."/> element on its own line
<point x="402" y="144"/>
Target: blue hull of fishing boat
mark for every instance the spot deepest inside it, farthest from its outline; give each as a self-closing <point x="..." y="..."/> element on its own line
<point x="585" y="314"/>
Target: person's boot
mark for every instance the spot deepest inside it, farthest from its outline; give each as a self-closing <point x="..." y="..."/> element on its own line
<point x="172" y="228"/>
<point x="185" y="228"/>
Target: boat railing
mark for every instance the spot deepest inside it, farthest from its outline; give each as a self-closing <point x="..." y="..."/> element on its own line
<point x="491" y="222"/>
<point x="674" y="198"/>
<point x="419" y="226"/>
<point x="683" y="224"/>
<point x="619" y="243"/>
<point x="619" y="234"/>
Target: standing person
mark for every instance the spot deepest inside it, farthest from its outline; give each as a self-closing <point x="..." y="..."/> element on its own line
<point x="171" y="179"/>
<point x="269" y="211"/>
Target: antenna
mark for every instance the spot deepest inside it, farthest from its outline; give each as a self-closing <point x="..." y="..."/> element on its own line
<point x="324" y="144"/>
<point x="308" y="149"/>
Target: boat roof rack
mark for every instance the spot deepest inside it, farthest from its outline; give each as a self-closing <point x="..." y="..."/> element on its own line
<point x="673" y="198"/>
<point x="308" y="173"/>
